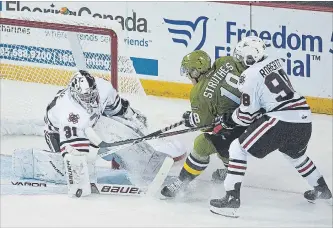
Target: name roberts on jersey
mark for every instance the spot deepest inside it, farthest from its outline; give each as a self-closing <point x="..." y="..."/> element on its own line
<point x="266" y="89"/>
<point x="270" y="67"/>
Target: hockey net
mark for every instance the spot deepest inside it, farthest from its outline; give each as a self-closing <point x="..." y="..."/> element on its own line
<point x="38" y="55"/>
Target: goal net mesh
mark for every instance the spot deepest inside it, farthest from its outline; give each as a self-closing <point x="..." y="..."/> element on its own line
<point x="39" y="54"/>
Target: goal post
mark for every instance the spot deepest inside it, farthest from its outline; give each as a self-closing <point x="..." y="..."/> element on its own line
<point x="40" y="52"/>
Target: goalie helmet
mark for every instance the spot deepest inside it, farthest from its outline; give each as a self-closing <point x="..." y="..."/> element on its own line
<point x="83" y="90"/>
<point x="195" y="64"/>
<point x="249" y="50"/>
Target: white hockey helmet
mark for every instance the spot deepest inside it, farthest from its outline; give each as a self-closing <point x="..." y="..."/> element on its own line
<point x="83" y="89"/>
<point x="249" y="50"/>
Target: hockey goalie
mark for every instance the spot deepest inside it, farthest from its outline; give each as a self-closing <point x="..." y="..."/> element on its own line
<point x="92" y="103"/>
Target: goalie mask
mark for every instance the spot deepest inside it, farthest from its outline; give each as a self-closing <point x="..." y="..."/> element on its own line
<point x="249" y="50"/>
<point x="195" y="64"/>
<point x="84" y="91"/>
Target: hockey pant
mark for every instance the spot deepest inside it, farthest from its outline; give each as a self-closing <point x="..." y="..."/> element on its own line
<point x="265" y="136"/>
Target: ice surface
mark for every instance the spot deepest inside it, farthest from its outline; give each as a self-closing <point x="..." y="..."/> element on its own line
<point x="271" y="196"/>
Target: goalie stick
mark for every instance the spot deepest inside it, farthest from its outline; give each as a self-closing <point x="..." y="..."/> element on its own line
<point x="102" y="144"/>
<point x="48" y="187"/>
<point x="105" y="148"/>
<point x="166" y="128"/>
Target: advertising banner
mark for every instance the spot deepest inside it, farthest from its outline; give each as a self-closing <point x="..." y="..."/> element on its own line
<point x="158" y="34"/>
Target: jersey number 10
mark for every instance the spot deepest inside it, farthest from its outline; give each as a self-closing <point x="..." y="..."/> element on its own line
<point x="231" y="80"/>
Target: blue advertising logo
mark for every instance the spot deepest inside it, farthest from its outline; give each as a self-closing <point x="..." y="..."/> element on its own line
<point x="187" y="29"/>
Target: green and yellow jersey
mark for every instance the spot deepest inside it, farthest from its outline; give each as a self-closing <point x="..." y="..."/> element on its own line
<point x="216" y="92"/>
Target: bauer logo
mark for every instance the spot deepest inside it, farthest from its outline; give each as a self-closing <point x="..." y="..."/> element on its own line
<point x="191" y="34"/>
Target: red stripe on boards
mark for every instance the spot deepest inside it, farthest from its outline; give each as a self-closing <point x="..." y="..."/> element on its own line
<point x="280" y="5"/>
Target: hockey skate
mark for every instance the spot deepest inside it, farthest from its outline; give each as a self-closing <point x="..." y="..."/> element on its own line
<point x="228" y="205"/>
<point x="320" y="192"/>
<point x="171" y="190"/>
<point x="219" y="175"/>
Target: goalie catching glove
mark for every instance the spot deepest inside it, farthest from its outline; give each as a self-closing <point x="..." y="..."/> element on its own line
<point x="134" y="115"/>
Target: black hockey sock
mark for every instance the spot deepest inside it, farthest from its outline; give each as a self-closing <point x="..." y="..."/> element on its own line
<point x="192" y="168"/>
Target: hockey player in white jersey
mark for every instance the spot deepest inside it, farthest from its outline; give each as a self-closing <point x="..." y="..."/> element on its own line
<point x="74" y="110"/>
<point x="277" y="118"/>
<point x="86" y="103"/>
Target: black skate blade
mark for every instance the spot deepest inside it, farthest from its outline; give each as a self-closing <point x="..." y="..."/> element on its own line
<point x="227" y="212"/>
<point x="327" y="201"/>
<point x="311" y="201"/>
<point x="162" y="197"/>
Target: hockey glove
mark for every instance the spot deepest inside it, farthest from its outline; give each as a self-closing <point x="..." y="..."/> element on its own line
<point x="224" y="124"/>
<point x="142" y="119"/>
<point x="191" y="119"/>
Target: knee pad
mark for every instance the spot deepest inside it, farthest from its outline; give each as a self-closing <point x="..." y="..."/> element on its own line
<point x="236" y="151"/>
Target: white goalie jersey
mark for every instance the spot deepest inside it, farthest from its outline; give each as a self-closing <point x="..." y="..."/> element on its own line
<point x="266" y="89"/>
<point x="112" y="118"/>
<point x="70" y="119"/>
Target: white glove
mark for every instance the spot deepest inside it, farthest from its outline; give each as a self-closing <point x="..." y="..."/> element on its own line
<point x="139" y="117"/>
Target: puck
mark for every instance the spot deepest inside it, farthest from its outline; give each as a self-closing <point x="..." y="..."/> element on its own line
<point x="78" y="193"/>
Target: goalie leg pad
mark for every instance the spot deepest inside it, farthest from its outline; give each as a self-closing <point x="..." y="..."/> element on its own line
<point x="77" y="174"/>
<point x="38" y="164"/>
<point x="174" y="148"/>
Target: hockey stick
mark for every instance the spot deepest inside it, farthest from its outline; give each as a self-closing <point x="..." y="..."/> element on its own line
<point x="166" y="128"/>
<point x="103" y="151"/>
<point x="103" y="145"/>
<point x="47" y="187"/>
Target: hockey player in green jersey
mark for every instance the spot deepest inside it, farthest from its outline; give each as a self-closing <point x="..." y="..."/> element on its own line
<point x="214" y="93"/>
